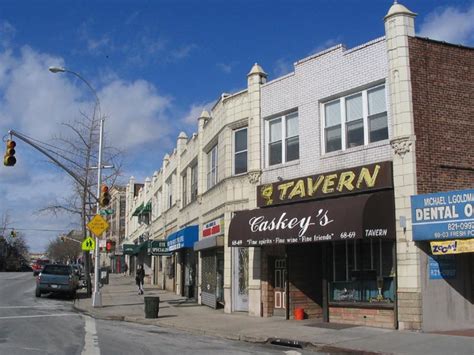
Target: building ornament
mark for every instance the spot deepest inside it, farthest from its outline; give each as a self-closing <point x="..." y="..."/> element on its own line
<point x="254" y="176"/>
<point x="401" y="145"/>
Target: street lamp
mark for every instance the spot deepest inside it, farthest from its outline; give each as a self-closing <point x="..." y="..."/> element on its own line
<point x="97" y="296"/>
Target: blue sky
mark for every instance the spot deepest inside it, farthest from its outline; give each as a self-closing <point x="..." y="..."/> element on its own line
<point x="155" y="65"/>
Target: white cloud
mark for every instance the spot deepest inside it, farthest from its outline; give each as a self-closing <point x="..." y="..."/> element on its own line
<point x="282" y="67"/>
<point x="227" y="67"/>
<point x="450" y="24"/>
<point x="34" y="101"/>
<point x="190" y="119"/>
<point x="325" y="45"/>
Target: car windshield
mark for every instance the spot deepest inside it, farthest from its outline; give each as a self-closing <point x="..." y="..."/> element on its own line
<point x="56" y="269"/>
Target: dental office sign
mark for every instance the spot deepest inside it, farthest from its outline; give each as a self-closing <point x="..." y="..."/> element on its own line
<point x="441" y="216"/>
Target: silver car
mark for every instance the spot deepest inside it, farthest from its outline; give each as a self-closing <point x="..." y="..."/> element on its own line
<point x="57" y="278"/>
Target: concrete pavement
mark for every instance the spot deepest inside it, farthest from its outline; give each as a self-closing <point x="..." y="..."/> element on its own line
<point x="121" y="301"/>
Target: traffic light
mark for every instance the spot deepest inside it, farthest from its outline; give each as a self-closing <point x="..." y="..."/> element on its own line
<point x="13" y="234"/>
<point x="63" y="239"/>
<point x="108" y="246"/>
<point x="104" y="196"/>
<point x="9" y="157"/>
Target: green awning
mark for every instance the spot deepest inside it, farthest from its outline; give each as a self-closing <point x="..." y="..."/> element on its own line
<point x="146" y="209"/>
<point x="130" y="249"/>
<point x="137" y="210"/>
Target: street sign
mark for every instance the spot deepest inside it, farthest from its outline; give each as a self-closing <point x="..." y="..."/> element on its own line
<point x="98" y="225"/>
<point x="106" y="212"/>
<point x="88" y="244"/>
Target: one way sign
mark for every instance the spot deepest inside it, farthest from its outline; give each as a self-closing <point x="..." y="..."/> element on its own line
<point x="88" y="244"/>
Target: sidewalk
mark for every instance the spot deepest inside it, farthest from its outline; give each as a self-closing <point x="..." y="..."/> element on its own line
<point x="121" y="302"/>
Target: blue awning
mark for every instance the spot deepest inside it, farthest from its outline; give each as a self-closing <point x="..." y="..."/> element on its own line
<point x="184" y="238"/>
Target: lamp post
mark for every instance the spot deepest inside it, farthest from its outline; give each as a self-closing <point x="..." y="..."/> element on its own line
<point x="97" y="296"/>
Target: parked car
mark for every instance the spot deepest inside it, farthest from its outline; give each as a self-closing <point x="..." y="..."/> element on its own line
<point x="57" y="278"/>
<point x="38" y="266"/>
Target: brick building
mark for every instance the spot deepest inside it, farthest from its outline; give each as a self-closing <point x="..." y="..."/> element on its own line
<point x="394" y="114"/>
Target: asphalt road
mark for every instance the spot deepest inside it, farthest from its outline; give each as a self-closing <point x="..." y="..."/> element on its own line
<point x="50" y="325"/>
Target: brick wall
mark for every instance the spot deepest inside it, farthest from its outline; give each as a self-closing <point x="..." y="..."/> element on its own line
<point x="443" y="103"/>
<point x="382" y="318"/>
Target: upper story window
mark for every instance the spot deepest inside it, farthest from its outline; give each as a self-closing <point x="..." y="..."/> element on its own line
<point x="184" y="179"/>
<point x="169" y="191"/>
<point x="212" y="167"/>
<point x="240" y="151"/>
<point x="194" y="182"/>
<point x="157" y="204"/>
<point x="354" y="120"/>
<point x="283" y="139"/>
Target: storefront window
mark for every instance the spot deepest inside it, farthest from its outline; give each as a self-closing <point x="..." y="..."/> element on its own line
<point x="362" y="271"/>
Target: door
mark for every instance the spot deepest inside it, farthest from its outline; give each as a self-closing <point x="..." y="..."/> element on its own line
<point x="279" y="287"/>
<point x="241" y="279"/>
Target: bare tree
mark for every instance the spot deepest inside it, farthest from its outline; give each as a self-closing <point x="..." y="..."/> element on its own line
<point x="63" y="251"/>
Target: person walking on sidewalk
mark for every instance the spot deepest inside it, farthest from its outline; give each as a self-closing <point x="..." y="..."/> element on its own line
<point x="125" y="269"/>
<point x="139" y="278"/>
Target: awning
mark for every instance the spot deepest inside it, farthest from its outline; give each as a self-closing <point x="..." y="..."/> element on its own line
<point x="158" y="247"/>
<point x="143" y="246"/>
<point x="209" y="243"/>
<point x="146" y="208"/>
<point x="345" y="218"/>
<point x="184" y="238"/>
<point x="130" y="249"/>
<point x="137" y="210"/>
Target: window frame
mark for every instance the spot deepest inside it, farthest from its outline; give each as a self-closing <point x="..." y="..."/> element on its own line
<point x="235" y="152"/>
<point x="194" y="182"/>
<point x="284" y="138"/>
<point x="184" y="182"/>
<point x="212" y="169"/>
<point x="344" y="123"/>
<point x="169" y="191"/>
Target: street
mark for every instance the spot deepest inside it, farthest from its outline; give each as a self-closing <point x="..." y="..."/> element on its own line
<point x="50" y="325"/>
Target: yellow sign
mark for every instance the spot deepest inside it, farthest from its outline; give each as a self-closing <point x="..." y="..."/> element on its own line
<point x="98" y="225"/>
<point x="88" y="244"/>
<point x="456" y="246"/>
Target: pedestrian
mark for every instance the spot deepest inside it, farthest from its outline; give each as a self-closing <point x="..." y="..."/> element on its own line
<point x="125" y="269"/>
<point x="139" y="278"/>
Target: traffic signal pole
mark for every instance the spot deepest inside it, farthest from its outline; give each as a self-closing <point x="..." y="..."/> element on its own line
<point x="97" y="296"/>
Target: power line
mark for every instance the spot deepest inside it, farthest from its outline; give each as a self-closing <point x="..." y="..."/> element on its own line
<point x="37" y="229"/>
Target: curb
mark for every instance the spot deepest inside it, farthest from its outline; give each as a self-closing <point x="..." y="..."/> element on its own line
<point x="286" y="343"/>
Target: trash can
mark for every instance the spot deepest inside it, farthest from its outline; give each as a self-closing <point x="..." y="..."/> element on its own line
<point x="104" y="275"/>
<point x="152" y="306"/>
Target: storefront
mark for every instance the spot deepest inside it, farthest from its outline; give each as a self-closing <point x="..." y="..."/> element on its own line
<point x="211" y="249"/>
<point x="327" y="246"/>
<point x="181" y="244"/>
<point x="161" y="257"/>
<point x="443" y="228"/>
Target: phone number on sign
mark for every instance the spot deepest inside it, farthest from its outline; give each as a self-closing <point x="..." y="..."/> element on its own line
<point x="460" y="226"/>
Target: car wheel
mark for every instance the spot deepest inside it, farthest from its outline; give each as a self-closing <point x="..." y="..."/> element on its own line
<point x="37" y="292"/>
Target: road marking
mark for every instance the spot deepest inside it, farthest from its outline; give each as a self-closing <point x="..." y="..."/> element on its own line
<point x="292" y="352"/>
<point x="42" y="315"/>
<point x="91" y="340"/>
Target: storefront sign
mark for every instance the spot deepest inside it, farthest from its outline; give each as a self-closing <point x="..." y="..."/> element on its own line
<point x="445" y="215"/>
<point x="345" y="218"/>
<point x="184" y="238"/>
<point x="213" y="228"/>
<point x="442" y="267"/>
<point x="457" y="246"/>
<point x="130" y="249"/>
<point x="341" y="182"/>
<point x="158" y="247"/>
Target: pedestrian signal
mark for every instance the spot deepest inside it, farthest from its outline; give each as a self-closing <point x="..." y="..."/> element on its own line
<point x="108" y="246"/>
<point x="9" y="157"/>
<point x="104" y="196"/>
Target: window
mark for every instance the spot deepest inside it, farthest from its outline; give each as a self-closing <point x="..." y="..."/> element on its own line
<point x="185" y="189"/>
<point x="283" y="139"/>
<point x="194" y="182"/>
<point x="362" y="271"/>
<point x="212" y="167"/>
<point x="240" y="151"/>
<point x="355" y="120"/>
<point x="169" y="190"/>
<point x="157" y="203"/>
